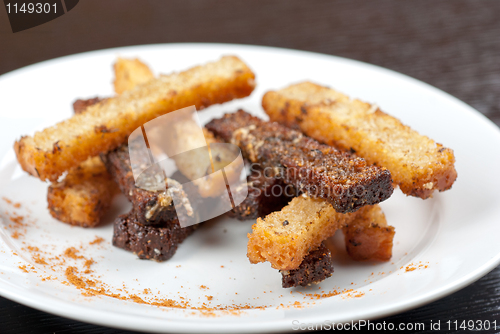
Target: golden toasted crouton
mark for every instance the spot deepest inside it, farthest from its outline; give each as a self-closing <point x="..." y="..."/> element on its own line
<point x="130" y="73"/>
<point x="369" y="237"/>
<point x="106" y="125"/>
<point x="417" y="164"/>
<point x="83" y="196"/>
<point x="285" y="237"/>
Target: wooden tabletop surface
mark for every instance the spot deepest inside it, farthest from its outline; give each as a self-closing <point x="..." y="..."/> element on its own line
<point x="453" y="45"/>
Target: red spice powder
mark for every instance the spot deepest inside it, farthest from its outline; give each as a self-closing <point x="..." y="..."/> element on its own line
<point x="97" y="241"/>
<point x="412" y="266"/>
<point x="71" y="253"/>
<point x="79" y="276"/>
<point x="39" y="260"/>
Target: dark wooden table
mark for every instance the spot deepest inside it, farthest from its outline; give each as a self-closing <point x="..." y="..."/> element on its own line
<point x="453" y="45"/>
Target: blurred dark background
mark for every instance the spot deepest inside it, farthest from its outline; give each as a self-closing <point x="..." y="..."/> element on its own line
<point x="453" y="45"/>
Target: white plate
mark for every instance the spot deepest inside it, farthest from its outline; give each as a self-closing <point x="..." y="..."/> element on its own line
<point x="454" y="234"/>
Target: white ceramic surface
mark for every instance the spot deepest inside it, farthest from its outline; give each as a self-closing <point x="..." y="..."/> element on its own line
<point x="454" y="234"/>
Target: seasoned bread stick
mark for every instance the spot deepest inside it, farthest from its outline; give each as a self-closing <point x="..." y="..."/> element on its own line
<point x="285" y="237"/>
<point x="367" y="237"/>
<point x="319" y="170"/>
<point x="105" y="126"/>
<point x="417" y="164"/>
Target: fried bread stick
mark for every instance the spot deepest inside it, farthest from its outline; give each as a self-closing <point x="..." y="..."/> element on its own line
<point x="367" y="236"/>
<point x="105" y="126"/>
<point x="319" y="170"/>
<point x="285" y="237"/>
<point x="418" y="165"/>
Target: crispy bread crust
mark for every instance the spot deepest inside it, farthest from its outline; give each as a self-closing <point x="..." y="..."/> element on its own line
<point x="316" y="267"/>
<point x="83" y="196"/>
<point x="105" y="126"/>
<point x="321" y="171"/>
<point x="418" y="165"/>
<point x="285" y="237"/>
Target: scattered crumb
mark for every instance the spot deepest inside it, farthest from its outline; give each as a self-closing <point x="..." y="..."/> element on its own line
<point x="39" y="260"/>
<point x="97" y="241"/>
<point x="74" y="269"/>
<point x="71" y="253"/>
<point x="419" y="265"/>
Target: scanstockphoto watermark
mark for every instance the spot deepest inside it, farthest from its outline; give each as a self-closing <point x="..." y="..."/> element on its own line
<point x="361" y="325"/>
<point x="432" y="325"/>
<point x="170" y="155"/>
